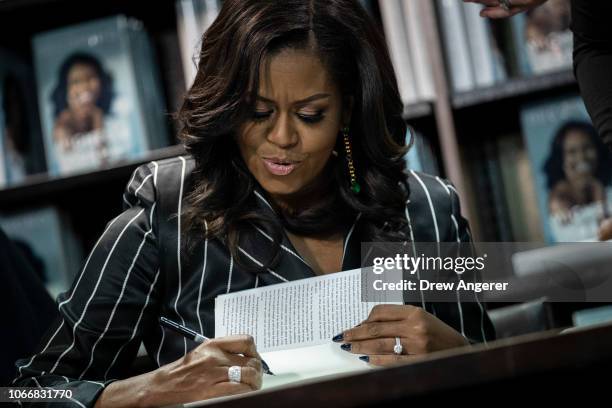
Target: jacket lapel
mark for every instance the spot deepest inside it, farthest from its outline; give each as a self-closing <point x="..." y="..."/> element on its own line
<point x="291" y="265"/>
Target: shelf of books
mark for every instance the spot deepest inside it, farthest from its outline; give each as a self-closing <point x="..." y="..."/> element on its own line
<point x="87" y="96"/>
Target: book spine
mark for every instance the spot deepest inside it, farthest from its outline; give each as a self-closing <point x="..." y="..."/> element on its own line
<point x="499" y="202"/>
<point x="517" y="186"/>
<point x="481" y="54"/>
<point x="456" y="45"/>
<point x="419" y="51"/>
<point x="187" y="27"/>
<point x="3" y="178"/>
<point x="396" y="36"/>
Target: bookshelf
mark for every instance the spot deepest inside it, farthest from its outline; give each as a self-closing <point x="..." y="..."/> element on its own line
<point x="515" y="88"/>
<point x="456" y="119"/>
<point x="41" y="186"/>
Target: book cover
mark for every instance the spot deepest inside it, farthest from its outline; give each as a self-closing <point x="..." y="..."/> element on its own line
<point x="572" y="168"/>
<point x="90" y="96"/>
<point x="543" y="41"/>
<point x="21" y="151"/>
<point x="41" y="235"/>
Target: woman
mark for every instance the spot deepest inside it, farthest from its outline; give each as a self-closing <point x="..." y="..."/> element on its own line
<point x="577" y="170"/>
<point x="294" y="125"/>
<point x="82" y="98"/>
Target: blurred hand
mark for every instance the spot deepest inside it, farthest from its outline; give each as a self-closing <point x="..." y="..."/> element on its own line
<point x="494" y="9"/>
<point x="419" y="331"/>
<point x="605" y="230"/>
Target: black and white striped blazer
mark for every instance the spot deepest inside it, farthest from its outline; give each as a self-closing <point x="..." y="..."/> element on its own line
<point x="135" y="273"/>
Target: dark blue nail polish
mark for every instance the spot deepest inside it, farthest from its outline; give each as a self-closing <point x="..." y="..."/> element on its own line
<point x="346" y="346"/>
<point x="365" y="358"/>
<point x="338" y="337"/>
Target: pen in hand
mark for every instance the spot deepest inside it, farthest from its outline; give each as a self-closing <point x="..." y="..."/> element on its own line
<point x="198" y="338"/>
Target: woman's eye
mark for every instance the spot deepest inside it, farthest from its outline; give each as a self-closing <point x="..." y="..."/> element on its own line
<point x="261" y="115"/>
<point x="311" y="117"/>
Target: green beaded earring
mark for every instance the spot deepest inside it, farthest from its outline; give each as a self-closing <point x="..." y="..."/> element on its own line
<point x="355" y="187"/>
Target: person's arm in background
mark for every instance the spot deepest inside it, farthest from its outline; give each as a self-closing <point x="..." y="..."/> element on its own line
<point x="592" y="27"/>
<point x="494" y="9"/>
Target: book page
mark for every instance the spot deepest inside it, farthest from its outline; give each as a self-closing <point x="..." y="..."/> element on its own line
<point x="296" y="365"/>
<point x="295" y="314"/>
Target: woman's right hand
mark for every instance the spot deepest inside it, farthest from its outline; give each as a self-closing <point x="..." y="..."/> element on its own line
<point x="200" y="374"/>
<point x="203" y="372"/>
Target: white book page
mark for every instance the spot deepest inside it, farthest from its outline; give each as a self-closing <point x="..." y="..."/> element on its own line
<point x="295" y="314"/>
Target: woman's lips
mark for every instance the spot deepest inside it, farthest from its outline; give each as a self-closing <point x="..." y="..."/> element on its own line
<point x="279" y="169"/>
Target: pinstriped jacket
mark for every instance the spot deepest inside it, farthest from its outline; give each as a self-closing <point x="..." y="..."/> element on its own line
<point x="136" y="273"/>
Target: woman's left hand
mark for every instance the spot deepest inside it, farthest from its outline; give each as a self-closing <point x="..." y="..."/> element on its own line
<point x="419" y="332"/>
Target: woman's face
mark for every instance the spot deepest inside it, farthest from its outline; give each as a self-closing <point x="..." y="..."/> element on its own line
<point x="294" y="128"/>
<point x="579" y="155"/>
<point x="83" y="86"/>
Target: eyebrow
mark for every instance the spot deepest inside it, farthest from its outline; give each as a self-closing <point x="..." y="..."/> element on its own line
<point x="300" y="102"/>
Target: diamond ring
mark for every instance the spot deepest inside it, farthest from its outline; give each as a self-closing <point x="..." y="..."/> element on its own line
<point x="506" y="4"/>
<point x="397" y="349"/>
<point x="234" y="374"/>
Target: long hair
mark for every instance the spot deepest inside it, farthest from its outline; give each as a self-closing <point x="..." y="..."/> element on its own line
<point x="553" y="167"/>
<point x="60" y="92"/>
<point x="242" y="38"/>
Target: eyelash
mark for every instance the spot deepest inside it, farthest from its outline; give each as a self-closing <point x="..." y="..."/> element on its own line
<point x="310" y="119"/>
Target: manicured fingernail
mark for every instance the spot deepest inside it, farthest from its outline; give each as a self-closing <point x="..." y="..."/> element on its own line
<point x="346" y="346"/>
<point x="365" y="358"/>
<point x="338" y="337"/>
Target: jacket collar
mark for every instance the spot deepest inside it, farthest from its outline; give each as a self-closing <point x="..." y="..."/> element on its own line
<point x="292" y="265"/>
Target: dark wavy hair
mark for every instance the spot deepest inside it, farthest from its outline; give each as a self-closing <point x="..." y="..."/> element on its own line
<point x="553" y="167"/>
<point x="242" y="38"/>
<point x="58" y="96"/>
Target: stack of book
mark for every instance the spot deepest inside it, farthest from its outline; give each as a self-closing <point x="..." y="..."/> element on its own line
<point x="480" y="52"/>
<point x="572" y="168"/>
<point x="552" y="182"/>
<point x="542" y="39"/>
<point x="99" y="94"/>
<point x="473" y="55"/>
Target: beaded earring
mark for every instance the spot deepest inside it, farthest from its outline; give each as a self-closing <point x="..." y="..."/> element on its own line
<point x="355" y="187"/>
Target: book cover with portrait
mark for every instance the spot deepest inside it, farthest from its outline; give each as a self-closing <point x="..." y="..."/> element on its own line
<point x="99" y="94"/>
<point x="571" y="166"/>
<point x="542" y="38"/>
<point x="21" y="150"/>
<point x="45" y="238"/>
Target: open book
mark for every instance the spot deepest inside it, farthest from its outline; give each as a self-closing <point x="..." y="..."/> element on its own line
<point x="293" y="324"/>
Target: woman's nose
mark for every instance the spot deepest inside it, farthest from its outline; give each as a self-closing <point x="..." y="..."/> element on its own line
<point x="283" y="134"/>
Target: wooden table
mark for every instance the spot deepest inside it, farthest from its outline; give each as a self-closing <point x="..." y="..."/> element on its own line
<point x="514" y="370"/>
